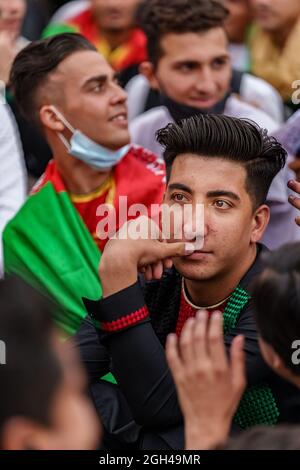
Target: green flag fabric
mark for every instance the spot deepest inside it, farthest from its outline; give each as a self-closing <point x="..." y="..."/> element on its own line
<point x="48" y="245"/>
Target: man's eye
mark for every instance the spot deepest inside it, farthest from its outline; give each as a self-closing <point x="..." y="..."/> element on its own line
<point x="187" y="67"/>
<point x="98" y="88"/>
<point x="220" y="204"/>
<point x="219" y="63"/>
<point x="117" y="81"/>
<point x="178" y="197"/>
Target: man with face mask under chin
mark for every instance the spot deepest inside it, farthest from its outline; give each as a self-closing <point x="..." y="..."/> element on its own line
<point x="189" y="65"/>
<point x="69" y="91"/>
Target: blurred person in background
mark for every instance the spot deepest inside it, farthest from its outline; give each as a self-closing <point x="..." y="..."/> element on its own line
<point x="35" y="148"/>
<point x="69" y="9"/>
<point x="238" y="27"/>
<point x="294" y="200"/>
<point x="275" y="45"/>
<point x="12" y="171"/>
<point x="111" y="26"/>
<point x="43" y="400"/>
<point x="37" y="17"/>
<point x="289" y="136"/>
<point x="189" y="63"/>
<point x="295" y="166"/>
<point x="283" y="437"/>
<point x="12" y="14"/>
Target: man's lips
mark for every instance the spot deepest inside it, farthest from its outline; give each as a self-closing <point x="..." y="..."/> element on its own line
<point x="120" y="120"/>
<point x="199" y="255"/>
<point x="204" y="102"/>
<point x="264" y="13"/>
<point x="12" y="24"/>
<point x="113" y="12"/>
<point x="120" y="117"/>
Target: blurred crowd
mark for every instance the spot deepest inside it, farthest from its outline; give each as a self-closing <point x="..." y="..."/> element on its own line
<point x="149" y="342"/>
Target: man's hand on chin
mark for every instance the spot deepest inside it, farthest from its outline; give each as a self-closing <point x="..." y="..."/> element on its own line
<point x="138" y="246"/>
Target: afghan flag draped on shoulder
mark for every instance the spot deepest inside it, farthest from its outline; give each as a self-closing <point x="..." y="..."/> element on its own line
<point x="50" y="246"/>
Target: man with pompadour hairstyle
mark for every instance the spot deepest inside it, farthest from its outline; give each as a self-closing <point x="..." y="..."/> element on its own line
<point x="229" y="177"/>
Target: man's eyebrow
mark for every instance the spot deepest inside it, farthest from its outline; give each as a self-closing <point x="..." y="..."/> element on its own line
<point x="186" y="61"/>
<point x="195" y="63"/>
<point x="179" y="186"/>
<point x="96" y="79"/>
<point x="222" y="56"/>
<point x="222" y="193"/>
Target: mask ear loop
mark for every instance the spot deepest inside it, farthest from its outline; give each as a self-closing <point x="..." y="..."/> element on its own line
<point x="68" y="126"/>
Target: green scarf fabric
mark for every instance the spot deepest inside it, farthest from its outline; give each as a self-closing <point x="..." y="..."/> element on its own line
<point x="48" y="245"/>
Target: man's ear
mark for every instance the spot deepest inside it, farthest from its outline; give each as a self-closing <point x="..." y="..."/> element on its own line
<point x="22" y="434"/>
<point x="50" y="120"/>
<point x="280" y="368"/>
<point x="261" y="219"/>
<point x="270" y="356"/>
<point x="277" y="362"/>
<point x="147" y="69"/>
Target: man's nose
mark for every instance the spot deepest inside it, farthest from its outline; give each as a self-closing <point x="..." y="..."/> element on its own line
<point x="119" y="95"/>
<point x="205" y="83"/>
<point x="262" y="3"/>
<point x="196" y="225"/>
<point x="13" y="7"/>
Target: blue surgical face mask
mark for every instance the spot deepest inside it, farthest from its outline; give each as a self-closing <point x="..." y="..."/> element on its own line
<point x="85" y="149"/>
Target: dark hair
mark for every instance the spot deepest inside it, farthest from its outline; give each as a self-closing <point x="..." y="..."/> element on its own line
<point x="32" y="371"/>
<point x="35" y="62"/>
<point x="238" y="140"/>
<point x="160" y="17"/>
<point x="276" y="300"/>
